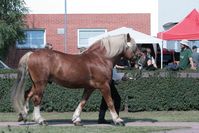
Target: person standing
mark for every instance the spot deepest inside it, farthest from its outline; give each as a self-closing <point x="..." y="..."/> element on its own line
<point x="195" y="57"/>
<point x="115" y="96"/>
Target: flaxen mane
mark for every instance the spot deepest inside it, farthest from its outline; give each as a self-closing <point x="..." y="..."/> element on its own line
<point x="114" y="45"/>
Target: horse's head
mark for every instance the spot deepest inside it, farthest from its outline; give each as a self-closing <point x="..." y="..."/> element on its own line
<point x="130" y="49"/>
<point x="132" y="52"/>
<point x="114" y="47"/>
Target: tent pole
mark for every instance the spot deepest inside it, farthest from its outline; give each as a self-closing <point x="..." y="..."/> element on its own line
<point x="161" y="50"/>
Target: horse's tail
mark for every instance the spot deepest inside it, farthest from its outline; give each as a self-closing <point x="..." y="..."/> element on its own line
<point x="19" y="86"/>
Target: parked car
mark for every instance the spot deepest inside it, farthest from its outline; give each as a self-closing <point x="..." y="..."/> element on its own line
<point x="3" y="65"/>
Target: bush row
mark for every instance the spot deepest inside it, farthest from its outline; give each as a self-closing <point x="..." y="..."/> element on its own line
<point x="144" y="94"/>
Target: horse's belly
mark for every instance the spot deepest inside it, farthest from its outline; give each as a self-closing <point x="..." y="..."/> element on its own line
<point x="72" y="83"/>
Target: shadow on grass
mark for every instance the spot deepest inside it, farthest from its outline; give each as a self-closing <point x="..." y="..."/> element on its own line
<point x="127" y="119"/>
<point x="68" y="121"/>
<point x="88" y="122"/>
<point x="94" y="122"/>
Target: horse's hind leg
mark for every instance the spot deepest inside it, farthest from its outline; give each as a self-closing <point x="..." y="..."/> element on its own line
<point x="28" y="95"/>
<point x="105" y="90"/>
<point x="36" y="98"/>
<point x="76" y="116"/>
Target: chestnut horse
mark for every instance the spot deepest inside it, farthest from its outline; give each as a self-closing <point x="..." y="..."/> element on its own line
<point x="90" y="70"/>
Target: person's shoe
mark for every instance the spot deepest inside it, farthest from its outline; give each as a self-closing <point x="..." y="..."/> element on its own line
<point x="103" y="121"/>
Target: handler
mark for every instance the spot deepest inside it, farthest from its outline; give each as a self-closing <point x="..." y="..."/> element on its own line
<point x="115" y="96"/>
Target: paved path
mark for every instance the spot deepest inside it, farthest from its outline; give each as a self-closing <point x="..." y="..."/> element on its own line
<point x="183" y="127"/>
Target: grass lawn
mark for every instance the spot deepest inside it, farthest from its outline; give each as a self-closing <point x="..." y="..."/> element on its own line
<point x="84" y="129"/>
<point x="163" y="116"/>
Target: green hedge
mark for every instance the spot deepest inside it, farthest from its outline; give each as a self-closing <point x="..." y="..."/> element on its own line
<point x="149" y="94"/>
<point x="144" y="94"/>
<point x="56" y="98"/>
<point x="5" y="102"/>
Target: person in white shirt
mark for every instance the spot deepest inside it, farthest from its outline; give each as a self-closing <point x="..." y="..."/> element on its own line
<point x="115" y="96"/>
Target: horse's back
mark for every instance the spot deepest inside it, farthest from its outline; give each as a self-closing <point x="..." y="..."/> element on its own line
<point x="39" y="64"/>
<point x="65" y="69"/>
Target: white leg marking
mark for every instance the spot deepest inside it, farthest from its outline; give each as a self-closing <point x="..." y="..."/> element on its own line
<point x="116" y="118"/>
<point x="36" y="115"/>
<point x="76" y="115"/>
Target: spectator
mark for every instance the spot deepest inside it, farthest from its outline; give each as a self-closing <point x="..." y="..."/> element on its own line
<point x="122" y="64"/>
<point x="151" y="64"/>
<point x="195" y="56"/>
<point x="147" y="61"/>
<point x="185" y="58"/>
<point x="82" y="49"/>
<point x="49" y="46"/>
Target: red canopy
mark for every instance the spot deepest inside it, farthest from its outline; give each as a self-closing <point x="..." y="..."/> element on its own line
<point x="188" y="29"/>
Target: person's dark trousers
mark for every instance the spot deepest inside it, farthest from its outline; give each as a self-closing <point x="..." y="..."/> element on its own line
<point x="173" y="67"/>
<point x="117" y="102"/>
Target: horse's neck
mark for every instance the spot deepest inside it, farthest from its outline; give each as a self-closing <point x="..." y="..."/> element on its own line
<point x="115" y="60"/>
<point x="96" y="48"/>
<point x="100" y="51"/>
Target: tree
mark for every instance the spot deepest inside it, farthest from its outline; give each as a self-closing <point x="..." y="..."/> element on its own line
<point x="12" y="13"/>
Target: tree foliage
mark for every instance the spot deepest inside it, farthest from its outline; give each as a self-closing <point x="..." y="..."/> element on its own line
<point x="12" y="13"/>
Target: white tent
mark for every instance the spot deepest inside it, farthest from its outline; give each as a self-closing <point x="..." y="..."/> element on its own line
<point x="140" y="38"/>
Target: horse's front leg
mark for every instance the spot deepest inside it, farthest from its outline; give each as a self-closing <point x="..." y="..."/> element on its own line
<point x="76" y="116"/>
<point x="106" y="92"/>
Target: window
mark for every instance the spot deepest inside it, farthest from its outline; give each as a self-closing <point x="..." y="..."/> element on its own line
<point x="85" y="34"/>
<point x="34" y="38"/>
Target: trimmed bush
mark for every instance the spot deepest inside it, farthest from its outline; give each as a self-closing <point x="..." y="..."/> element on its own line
<point x="158" y="94"/>
<point x="56" y="98"/>
<point x="144" y="94"/>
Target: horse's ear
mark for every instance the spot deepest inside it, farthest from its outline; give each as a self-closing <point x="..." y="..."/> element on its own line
<point x="128" y="37"/>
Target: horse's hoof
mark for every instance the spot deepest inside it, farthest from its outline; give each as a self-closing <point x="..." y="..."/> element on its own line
<point x="120" y="124"/>
<point x="21" y="118"/>
<point x="25" y="120"/>
<point x="78" y="123"/>
<point x="43" y="123"/>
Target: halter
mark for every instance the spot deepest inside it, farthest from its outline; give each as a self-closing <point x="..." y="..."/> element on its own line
<point x="131" y="45"/>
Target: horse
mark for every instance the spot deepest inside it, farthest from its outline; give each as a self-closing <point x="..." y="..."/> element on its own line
<point x="91" y="70"/>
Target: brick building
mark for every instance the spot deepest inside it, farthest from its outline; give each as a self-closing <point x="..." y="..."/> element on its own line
<point x="48" y="28"/>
